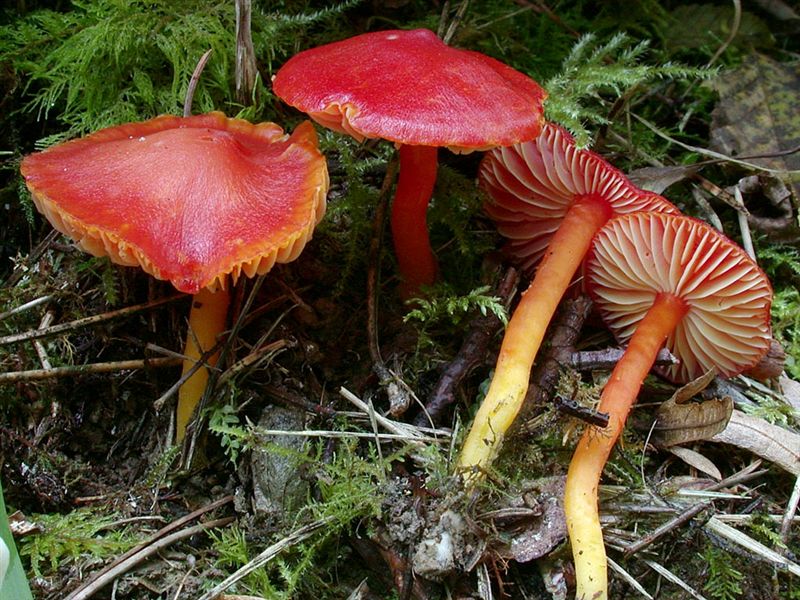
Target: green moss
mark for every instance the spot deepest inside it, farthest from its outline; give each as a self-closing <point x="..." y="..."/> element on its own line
<point x="66" y="538"/>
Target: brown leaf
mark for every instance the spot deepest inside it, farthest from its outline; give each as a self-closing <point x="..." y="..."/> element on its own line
<point x="757" y="112"/>
<point x="698" y="461"/>
<point x="768" y="441"/>
<point x="697" y="25"/>
<point x="658" y="179"/>
<point x="791" y="391"/>
<point x="532" y="538"/>
<point x="680" y="421"/>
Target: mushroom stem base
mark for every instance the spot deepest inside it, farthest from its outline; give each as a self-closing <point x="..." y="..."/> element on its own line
<point x="591" y="454"/>
<point x="207" y="319"/>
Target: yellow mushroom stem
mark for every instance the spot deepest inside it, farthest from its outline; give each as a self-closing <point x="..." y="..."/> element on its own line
<point x="591" y="454"/>
<point x="207" y="319"/>
<point x="525" y="332"/>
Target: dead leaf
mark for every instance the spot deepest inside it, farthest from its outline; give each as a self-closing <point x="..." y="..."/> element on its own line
<point x="791" y="391"/>
<point x="537" y="537"/>
<point x="698" y="461"/>
<point x="775" y="444"/>
<point x="680" y="421"/>
<point x="757" y="112"/>
<point x="658" y="179"/>
<point x="768" y="204"/>
<point x="697" y="25"/>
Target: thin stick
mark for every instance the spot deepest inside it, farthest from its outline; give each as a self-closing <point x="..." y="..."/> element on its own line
<point x="132" y="561"/>
<point x="397" y="392"/>
<point x="587" y="360"/>
<point x="456" y="21"/>
<point x="173" y="389"/>
<point x="737" y="21"/>
<point x="20" y="268"/>
<point x="403" y="429"/>
<point x="198" y="70"/>
<point x="661" y="530"/>
<point x="86" y="321"/>
<point x="246" y="68"/>
<point x="267" y="555"/>
<point x="152" y="539"/>
<point x="251" y="359"/>
<point x="711" y="153"/>
<point x="23" y="307"/>
<point x="91" y="368"/>
<point x="405" y="437"/>
<point x="473" y="353"/>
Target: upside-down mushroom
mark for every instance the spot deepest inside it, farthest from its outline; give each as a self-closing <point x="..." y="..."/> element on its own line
<point x="659" y="280"/>
<point x="410" y="88"/>
<point x="549" y="198"/>
<point x="196" y="200"/>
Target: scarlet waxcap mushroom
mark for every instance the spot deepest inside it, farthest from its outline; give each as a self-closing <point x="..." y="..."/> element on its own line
<point x="727" y="322"/>
<point x="659" y="280"/>
<point x="410" y="88"/>
<point x="189" y="199"/>
<point x="192" y="200"/>
<point x="549" y="198"/>
<point x="531" y="186"/>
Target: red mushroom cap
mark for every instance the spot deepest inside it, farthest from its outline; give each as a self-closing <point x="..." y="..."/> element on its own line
<point x="411" y="88"/>
<point x="532" y="185"/>
<point x="727" y="324"/>
<point x="190" y="200"/>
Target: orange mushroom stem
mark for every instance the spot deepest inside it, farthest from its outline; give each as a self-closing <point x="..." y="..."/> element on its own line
<point x="525" y="332"/>
<point x="659" y="280"/>
<point x="208" y="318"/>
<point x="583" y="479"/>
<point x="550" y="199"/>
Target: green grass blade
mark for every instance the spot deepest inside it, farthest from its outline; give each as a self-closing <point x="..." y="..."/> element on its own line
<point x="15" y="584"/>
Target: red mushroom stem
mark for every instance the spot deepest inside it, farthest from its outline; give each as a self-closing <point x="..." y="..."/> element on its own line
<point x="417" y="264"/>
<point x="207" y="319"/>
<point x="583" y="478"/>
<point x="526" y="329"/>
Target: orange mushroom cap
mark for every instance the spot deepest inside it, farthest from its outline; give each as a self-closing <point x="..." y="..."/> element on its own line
<point x="728" y="297"/>
<point x="189" y="199"/>
<point x="411" y="88"/>
<point x="533" y="184"/>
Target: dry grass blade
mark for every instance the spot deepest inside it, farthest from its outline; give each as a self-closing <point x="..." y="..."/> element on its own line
<point x="791" y="510"/>
<point x="670" y="576"/>
<point x="93" y="584"/>
<point x="403" y="430"/>
<point x="761" y="551"/>
<point x="267" y="555"/>
<point x="628" y="578"/>
<point x="23" y="307"/>
<point x="133" y="560"/>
